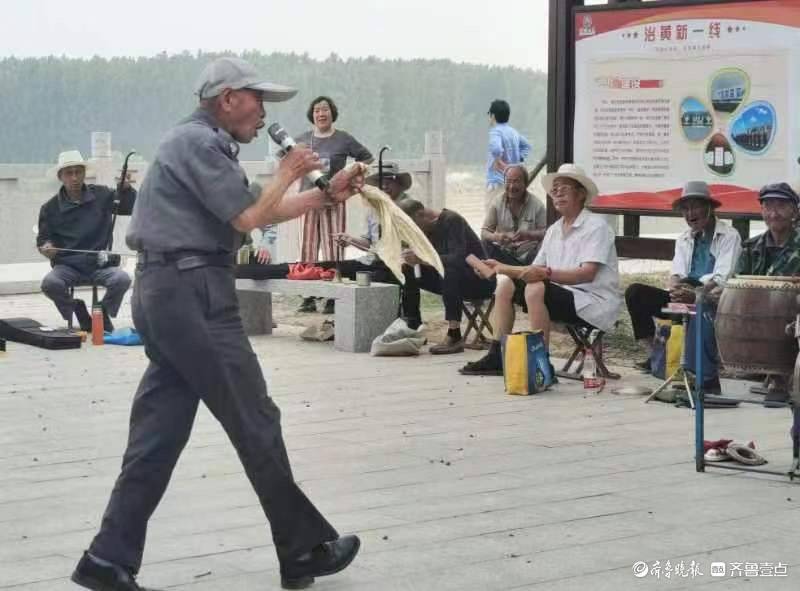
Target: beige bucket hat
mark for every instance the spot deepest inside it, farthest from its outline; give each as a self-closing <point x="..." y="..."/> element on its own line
<point x="69" y="158"/>
<point x="574" y="172"/>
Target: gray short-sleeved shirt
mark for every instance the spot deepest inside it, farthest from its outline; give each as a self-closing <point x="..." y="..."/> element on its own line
<point x="532" y="216"/>
<point x="336" y="148"/>
<point x="192" y="191"/>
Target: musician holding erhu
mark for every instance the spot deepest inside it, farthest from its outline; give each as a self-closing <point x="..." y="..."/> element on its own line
<point x="705" y="256"/>
<point x="79" y="218"/>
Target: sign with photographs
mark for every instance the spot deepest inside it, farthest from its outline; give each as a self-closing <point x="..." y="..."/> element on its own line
<point x="664" y="95"/>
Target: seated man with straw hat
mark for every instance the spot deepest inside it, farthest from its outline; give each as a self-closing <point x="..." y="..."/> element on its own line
<point x="79" y="218"/>
<point x="705" y="255"/>
<point x="573" y="279"/>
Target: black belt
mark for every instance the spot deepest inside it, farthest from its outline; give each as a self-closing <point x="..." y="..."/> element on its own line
<point x="185" y="260"/>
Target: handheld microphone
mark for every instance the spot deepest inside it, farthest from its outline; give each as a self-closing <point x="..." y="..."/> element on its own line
<point x="281" y="137"/>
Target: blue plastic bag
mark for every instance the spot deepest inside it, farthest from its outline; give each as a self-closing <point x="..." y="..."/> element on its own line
<point x="122" y="336"/>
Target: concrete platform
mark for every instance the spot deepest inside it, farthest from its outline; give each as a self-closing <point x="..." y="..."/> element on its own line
<point x="451" y="484"/>
<point x="22" y="277"/>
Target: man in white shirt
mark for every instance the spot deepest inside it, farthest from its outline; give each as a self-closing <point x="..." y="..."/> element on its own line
<point x="705" y="255"/>
<point x="574" y="278"/>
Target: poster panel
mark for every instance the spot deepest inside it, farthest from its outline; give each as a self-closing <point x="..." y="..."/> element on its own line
<point x="664" y="95"/>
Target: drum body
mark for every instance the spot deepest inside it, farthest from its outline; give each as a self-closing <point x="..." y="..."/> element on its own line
<point x="751" y="320"/>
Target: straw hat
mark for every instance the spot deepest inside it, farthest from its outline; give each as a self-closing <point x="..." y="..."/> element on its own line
<point x="574" y="172"/>
<point x="391" y="170"/>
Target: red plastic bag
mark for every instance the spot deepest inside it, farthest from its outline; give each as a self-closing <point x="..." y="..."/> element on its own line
<point x="304" y="271"/>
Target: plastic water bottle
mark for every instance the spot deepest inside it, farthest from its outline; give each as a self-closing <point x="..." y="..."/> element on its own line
<point x="591" y="381"/>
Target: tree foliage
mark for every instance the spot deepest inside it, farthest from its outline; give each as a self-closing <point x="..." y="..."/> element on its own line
<point x="53" y="104"/>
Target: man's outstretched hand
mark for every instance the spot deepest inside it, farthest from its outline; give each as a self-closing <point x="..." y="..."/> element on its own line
<point x="347" y="182"/>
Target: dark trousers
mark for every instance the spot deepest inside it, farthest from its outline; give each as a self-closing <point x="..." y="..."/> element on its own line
<point x="644" y="302"/>
<point x="192" y="332"/>
<point x="57" y="282"/>
<point x="459" y="283"/>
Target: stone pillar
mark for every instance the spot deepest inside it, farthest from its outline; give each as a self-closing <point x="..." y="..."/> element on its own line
<point x="434" y="153"/>
<point x="255" y="309"/>
<point x="101" y="172"/>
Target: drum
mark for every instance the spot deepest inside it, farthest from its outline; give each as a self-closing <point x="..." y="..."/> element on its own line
<point x="751" y="324"/>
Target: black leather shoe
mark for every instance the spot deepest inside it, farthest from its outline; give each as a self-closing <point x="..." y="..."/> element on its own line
<point x="448" y="347"/>
<point x="325" y="559"/>
<point x="488" y="365"/>
<point x="104" y="577"/>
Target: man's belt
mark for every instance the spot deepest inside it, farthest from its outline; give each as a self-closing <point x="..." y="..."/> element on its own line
<point x="185" y="260"/>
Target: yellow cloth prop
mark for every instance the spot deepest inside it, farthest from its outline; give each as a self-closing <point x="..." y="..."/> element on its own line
<point x="397" y="228"/>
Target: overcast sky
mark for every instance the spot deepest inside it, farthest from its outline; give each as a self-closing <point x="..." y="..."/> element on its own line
<point x="509" y="32"/>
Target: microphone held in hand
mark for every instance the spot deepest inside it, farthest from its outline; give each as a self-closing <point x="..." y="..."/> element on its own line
<point x="281" y="137"/>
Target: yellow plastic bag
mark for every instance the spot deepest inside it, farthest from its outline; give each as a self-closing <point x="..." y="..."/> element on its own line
<point x="526" y="363"/>
<point x="667" y="348"/>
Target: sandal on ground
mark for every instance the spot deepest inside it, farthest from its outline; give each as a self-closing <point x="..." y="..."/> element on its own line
<point x="745" y="454"/>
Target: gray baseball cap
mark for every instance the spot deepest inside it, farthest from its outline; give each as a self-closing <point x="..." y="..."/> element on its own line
<point x="235" y="73"/>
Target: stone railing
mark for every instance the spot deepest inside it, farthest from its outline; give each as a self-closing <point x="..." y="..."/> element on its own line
<point x="25" y="187"/>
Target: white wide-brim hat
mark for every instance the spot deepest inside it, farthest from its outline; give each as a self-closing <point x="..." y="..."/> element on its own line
<point x="574" y="172"/>
<point x="70" y="158"/>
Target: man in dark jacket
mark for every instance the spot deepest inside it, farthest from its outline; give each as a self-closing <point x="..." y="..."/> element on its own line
<point x="453" y="239"/>
<point x="79" y="217"/>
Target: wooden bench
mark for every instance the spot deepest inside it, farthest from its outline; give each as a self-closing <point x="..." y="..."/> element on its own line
<point x="362" y="313"/>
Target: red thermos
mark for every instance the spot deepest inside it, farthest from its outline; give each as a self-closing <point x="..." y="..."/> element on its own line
<point x="97" y="325"/>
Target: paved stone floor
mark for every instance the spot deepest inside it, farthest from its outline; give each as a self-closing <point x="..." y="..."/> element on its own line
<point x="451" y="483"/>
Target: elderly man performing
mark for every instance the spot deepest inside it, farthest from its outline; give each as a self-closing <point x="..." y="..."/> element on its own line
<point x="705" y="255"/>
<point x="574" y="278"/>
<point x="79" y="217"/>
<point x="515" y="222"/>
<point x="776" y="252"/>
<point x="194" y="205"/>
